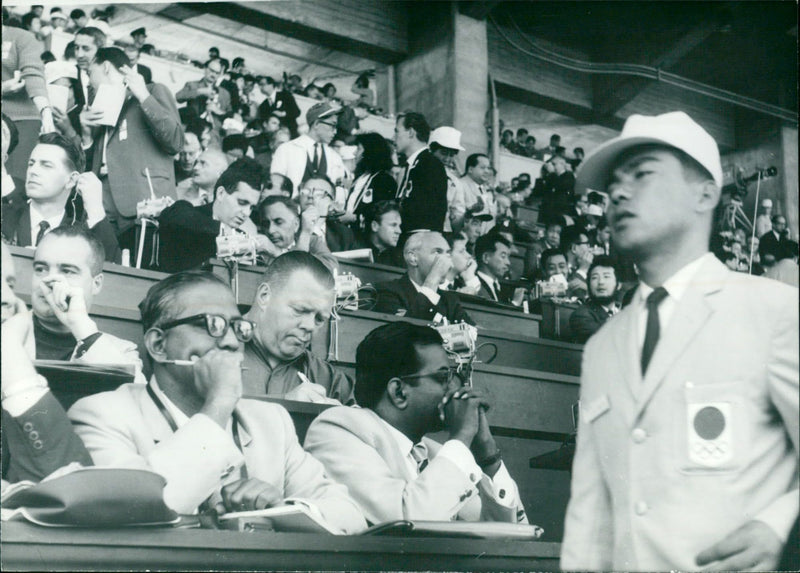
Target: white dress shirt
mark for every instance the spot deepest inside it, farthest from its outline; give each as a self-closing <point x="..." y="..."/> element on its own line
<point x="37" y="218"/>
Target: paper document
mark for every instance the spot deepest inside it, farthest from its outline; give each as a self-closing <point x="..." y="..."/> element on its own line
<point x="109" y="100"/>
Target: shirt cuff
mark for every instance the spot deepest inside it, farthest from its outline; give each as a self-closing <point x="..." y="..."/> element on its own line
<point x="474" y="282"/>
<point x="459" y="454"/>
<point x="502" y="487"/>
<point x="430" y="294"/>
<point x="21" y="401"/>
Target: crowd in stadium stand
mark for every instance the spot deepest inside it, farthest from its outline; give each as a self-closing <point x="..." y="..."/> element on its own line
<point x="229" y="167"/>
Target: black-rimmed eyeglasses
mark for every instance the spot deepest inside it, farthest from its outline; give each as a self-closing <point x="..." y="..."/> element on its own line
<point x="216" y="325"/>
<point x="443" y="377"/>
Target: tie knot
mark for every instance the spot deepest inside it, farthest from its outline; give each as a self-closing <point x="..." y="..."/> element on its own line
<point x="656" y="297"/>
<point x="44" y="225"/>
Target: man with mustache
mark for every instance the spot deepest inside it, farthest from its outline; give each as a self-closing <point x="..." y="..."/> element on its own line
<point x="293" y="301"/>
<point x="687" y="448"/>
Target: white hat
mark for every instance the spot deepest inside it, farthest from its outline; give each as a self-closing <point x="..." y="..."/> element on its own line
<point x="766" y="202"/>
<point x="595" y="210"/>
<point x="445" y="136"/>
<point x="60" y="69"/>
<point x="674" y="129"/>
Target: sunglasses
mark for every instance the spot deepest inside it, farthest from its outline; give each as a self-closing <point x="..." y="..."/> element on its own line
<point x="217" y="325"/>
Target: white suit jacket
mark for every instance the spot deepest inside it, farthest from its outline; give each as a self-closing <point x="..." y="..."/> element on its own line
<point x="358" y="450"/>
<point x="125" y="429"/>
<point x="648" y="491"/>
<point x="291" y="157"/>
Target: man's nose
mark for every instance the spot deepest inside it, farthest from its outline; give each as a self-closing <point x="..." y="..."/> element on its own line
<point x="228" y="341"/>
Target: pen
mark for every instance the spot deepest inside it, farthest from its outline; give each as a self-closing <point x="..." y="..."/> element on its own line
<point x="187" y="363"/>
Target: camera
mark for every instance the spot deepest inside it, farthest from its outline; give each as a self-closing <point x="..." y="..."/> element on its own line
<point x="347" y="286"/>
<point x="459" y="338"/>
<point x="151" y="208"/>
<point x="551" y="289"/>
<point x="237" y="246"/>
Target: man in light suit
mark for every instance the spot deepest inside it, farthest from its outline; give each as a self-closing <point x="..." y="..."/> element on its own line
<point x="407" y="389"/>
<point x="687" y="449"/>
<point x="190" y="425"/>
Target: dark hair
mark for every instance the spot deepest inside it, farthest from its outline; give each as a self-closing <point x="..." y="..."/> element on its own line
<point x="530" y="139"/>
<point x="76" y="160"/>
<point x="379" y="209"/>
<point x="214" y="49"/>
<point x="488" y="244"/>
<point x="577" y="149"/>
<point x="47" y="57"/>
<point x="777" y="216"/>
<point x="507" y="131"/>
<point x="69" y="50"/>
<point x="287" y="186"/>
<point x="27" y="19"/>
<point x="386" y="352"/>
<point x="571" y="235"/>
<point x="362" y="81"/>
<point x="377" y="154"/>
<point x="282" y="268"/>
<point x="548" y="254"/>
<point x="417" y="122"/>
<point x="77" y="13"/>
<point x="114" y="56"/>
<point x="472" y="160"/>
<point x="83" y="232"/>
<point x="225" y="64"/>
<point x="327" y="88"/>
<point x="235" y="141"/>
<point x="158" y="305"/>
<point x="602" y="261"/>
<point x="787" y="250"/>
<point x="259" y="216"/>
<point x="522" y="131"/>
<point x="237" y="61"/>
<point x="555" y="137"/>
<point x="13" y="133"/>
<point x="244" y="170"/>
<point x="97" y="35"/>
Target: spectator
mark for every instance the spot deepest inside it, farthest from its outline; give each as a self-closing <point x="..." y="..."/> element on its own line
<point x="13" y="188"/>
<point x="473" y="192"/>
<point x="373" y="179"/>
<point x="79" y="19"/>
<point x="735" y="510"/>
<point x="764" y="218"/>
<point x="280" y="103"/>
<point x="462" y="277"/>
<point x="146" y="136"/>
<point x="579" y="259"/>
<point x="518" y="147"/>
<point x="28" y="405"/>
<point x="139" y="36"/>
<point x="366" y="97"/>
<point x="529" y="150"/>
<point x="184" y="164"/>
<point x="422" y="192"/>
<point x="473" y="228"/>
<point x="57" y="19"/>
<point x="314" y="92"/>
<point x="559" y="189"/>
<point x="770" y="244"/>
<point x="280" y="222"/>
<point x="185" y="424"/>
<point x="280" y="185"/>
<point x="87" y="42"/>
<point x="417" y="294"/>
<point x="197" y="94"/>
<point x="404" y="381"/>
<point x="551" y="150"/>
<point x="59" y="194"/>
<point x="554" y="262"/>
<point x="785" y="268"/>
<point x="445" y="143"/>
<point x="235" y="147"/>
<point x="213" y="53"/>
<point x="310" y="155"/>
<point x="579" y="154"/>
<point x="199" y="189"/>
<point x="316" y="204"/>
<point x="507" y="140"/>
<point x="383" y="232"/>
<point x="189" y="234"/>
<point x="133" y="56"/>
<point x="292" y="302"/>
<point x="588" y="319"/>
<point x="67" y="275"/>
<point x="493" y="254"/>
<point x="551" y="240"/>
<point x="329" y="91"/>
<point x="25" y="98"/>
<point x="294" y="84"/>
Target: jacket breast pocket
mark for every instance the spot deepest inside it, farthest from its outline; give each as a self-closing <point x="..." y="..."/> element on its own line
<point x="711" y="428"/>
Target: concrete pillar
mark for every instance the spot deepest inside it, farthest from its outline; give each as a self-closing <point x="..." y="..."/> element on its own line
<point x="471" y="78"/>
<point x="790" y="206"/>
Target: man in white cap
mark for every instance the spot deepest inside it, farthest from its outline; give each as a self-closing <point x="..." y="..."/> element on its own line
<point x="764" y="219"/>
<point x="687" y="449"/>
<point x="445" y="143"/>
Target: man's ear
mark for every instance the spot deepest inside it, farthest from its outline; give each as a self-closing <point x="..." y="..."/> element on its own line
<point x="708" y="195"/>
<point x="397" y="394"/>
<point x="218" y="192"/>
<point x="263" y="293"/>
<point x="374" y="225"/>
<point x="155" y="342"/>
<point x="97" y="283"/>
<point x="411" y="259"/>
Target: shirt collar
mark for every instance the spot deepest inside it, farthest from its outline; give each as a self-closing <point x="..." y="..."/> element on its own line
<point x="677" y="284"/>
<point x="489" y="279"/>
<point x="37" y="218"/>
<point x="413" y="157"/>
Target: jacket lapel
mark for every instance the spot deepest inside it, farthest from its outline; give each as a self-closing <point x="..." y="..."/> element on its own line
<point x="691" y="314"/>
<point x="627" y="347"/>
<point x="154" y="420"/>
<point x="24" y="238"/>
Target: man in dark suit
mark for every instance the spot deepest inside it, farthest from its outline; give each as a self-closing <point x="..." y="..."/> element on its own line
<point x="137" y="151"/>
<point x="316" y="195"/>
<point x="416" y="294"/>
<point x="59" y="194"/>
<point x="770" y="244"/>
<point x="279" y="103"/>
<point x="133" y="55"/>
<point x="601" y="306"/>
<point x="422" y="192"/>
<point x="87" y="41"/>
<point x="493" y="252"/>
<point x="189" y="234"/>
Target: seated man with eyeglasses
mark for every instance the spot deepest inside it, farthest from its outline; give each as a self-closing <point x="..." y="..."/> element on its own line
<point x="407" y="388"/>
<point x="320" y="215"/>
<point x="190" y="424"/>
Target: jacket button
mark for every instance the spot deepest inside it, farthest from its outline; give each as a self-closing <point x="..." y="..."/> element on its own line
<point x="38" y="445"/>
<point x="28" y="426"/>
<point x="641" y="508"/>
<point x="34" y="435"/>
<point x="639" y="435"/>
<point x="473" y="478"/>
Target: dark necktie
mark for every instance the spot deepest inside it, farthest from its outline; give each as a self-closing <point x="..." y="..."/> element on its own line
<point x="420" y="454"/>
<point x="43" y="227"/>
<point x="652" y="332"/>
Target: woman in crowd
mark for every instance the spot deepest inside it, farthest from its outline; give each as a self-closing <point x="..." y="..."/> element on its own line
<point x="373" y="178"/>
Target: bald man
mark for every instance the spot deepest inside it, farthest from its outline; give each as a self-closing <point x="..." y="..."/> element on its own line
<point x="199" y="188"/>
